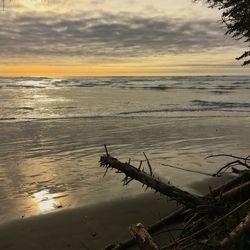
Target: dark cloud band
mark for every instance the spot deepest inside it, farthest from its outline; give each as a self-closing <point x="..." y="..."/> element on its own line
<point x="106" y="35"/>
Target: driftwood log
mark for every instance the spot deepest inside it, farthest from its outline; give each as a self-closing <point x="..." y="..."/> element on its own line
<point x="197" y="208"/>
<point x="133" y="173"/>
<point x="142" y="237"/>
<point x="171" y="218"/>
<point x="243" y="227"/>
<point x="241" y="191"/>
<point x="242" y="178"/>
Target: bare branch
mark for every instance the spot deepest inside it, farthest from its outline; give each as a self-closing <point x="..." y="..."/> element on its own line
<point x="149" y="165"/>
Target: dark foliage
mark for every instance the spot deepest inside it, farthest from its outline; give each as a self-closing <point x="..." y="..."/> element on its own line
<point x="236" y="17"/>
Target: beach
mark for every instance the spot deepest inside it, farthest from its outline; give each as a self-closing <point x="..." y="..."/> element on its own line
<point x="114" y="113"/>
<point x="96" y="226"/>
<point x="53" y="136"/>
<point x="90" y="227"/>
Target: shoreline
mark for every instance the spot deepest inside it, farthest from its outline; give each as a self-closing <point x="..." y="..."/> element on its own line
<point x="89" y="227"/>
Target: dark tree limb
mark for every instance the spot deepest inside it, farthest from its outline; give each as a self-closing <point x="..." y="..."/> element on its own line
<point x="241" y="191"/>
<point x="228" y="155"/>
<point x="239" y="161"/>
<point x="229" y="165"/>
<point x="149" y="165"/>
<point x="244" y="177"/>
<point x="183" y="197"/>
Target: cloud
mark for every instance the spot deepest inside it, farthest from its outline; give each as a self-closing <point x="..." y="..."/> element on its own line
<point x="106" y="35"/>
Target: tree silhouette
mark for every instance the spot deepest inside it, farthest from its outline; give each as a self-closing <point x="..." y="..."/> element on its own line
<point x="236" y="17"/>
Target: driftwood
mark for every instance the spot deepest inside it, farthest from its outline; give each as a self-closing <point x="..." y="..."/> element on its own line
<point x="238" y="161"/>
<point x="243" y="227"/>
<point x="221" y="191"/>
<point x="184" y="241"/>
<point x="241" y="191"/>
<point x="133" y="173"/>
<point x="196" y="209"/>
<point x="243" y="177"/>
<point x="171" y="218"/>
<point x="143" y="238"/>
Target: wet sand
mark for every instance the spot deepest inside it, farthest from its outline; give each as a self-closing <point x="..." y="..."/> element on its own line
<point x="92" y="227"/>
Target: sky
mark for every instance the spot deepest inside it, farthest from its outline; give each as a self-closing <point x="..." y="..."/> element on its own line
<point x="115" y="38"/>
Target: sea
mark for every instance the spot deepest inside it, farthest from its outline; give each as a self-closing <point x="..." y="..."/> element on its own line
<point x="53" y="131"/>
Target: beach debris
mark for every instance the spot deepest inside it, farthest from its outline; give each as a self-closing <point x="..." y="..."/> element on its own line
<point x="239" y="161"/>
<point x="133" y="173"/>
<point x="206" y="221"/>
<point x="170" y="218"/>
<point x="142" y="237"/>
<point x="244" y="226"/>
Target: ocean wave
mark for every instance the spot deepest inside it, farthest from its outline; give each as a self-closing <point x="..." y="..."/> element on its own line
<point x="153" y="111"/>
<point x="168" y="110"/>
<point x="150" y="83"/>
<point x="7" y="118"/>
<point x="23" y="86"/>
<point x="66" y="98"/>
<point x="26" y="119"/>
<point x="221" y="104"/>
<point x="198" y="106"/>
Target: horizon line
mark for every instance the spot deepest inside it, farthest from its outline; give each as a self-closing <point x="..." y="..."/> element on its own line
<point x="117" y="76"/>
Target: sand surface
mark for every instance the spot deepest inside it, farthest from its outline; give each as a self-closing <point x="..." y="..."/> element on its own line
<point x="91" y="227"/>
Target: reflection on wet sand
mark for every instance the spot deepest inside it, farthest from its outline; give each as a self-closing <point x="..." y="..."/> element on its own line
<point x="50" y="164"/>
<point x="45" y="201"/>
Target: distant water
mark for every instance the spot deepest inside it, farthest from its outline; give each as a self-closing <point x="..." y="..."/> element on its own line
<point x="24" y="99"/>
<point x="52" y="132"/>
